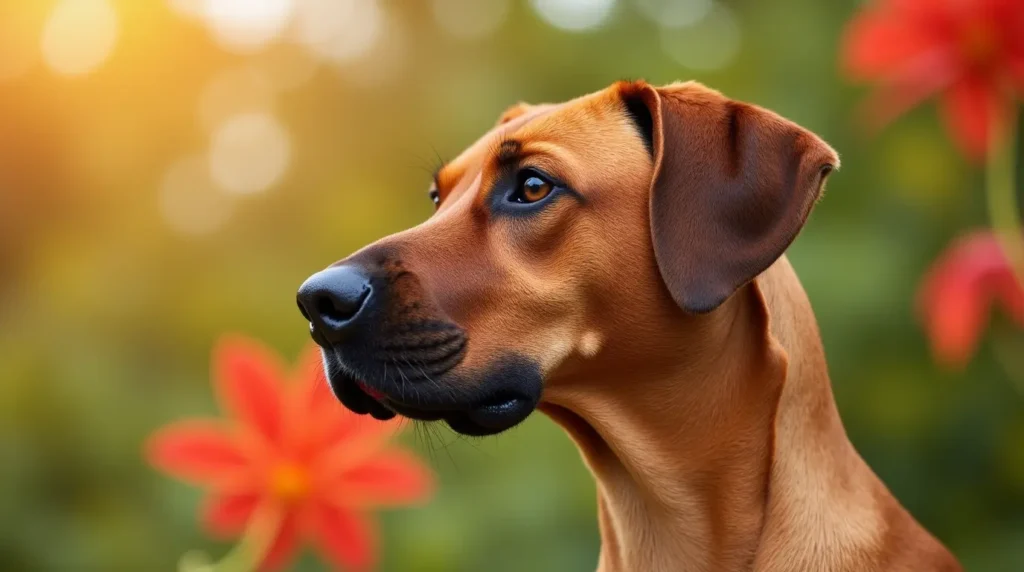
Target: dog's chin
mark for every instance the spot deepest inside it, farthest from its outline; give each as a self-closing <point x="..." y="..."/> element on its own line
<point x="473" y="404"/>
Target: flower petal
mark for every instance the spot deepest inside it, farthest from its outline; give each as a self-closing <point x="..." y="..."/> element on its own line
<point x="348" y="440"/>
<point x="200" y="452"/>
<point x="970" y="108"/>
<point x="347" y="538"/>
<point x="357" y="430"/>
<point x="884" y="38"/>
<point x="918" y="80"/>
<point x="249" y="381"/>
<point x="958" y="292"/>
<point x="389" y="478"/>
<point x="312" y="394"/>
<point x="1016" y="68"/>
<point x="226" y="515"/>
<point x="283" y="548"/>
<point x="313" y="411"/>
<point x="319" y="426"/>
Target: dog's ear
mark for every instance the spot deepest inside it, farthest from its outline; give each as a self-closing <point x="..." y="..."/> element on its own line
<point x="513" y="112"/>
<point x="733" y="184"/>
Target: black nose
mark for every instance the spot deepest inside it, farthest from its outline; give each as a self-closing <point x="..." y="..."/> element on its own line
<point x="331" y="300"/>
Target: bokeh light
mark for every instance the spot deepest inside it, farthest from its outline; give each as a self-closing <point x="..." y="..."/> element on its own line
<point x="79" y="36"/>
<point x="470" y="19"/>
<point x="674" y="13"/>
<point x="247" y="25"/>
<point x="188" y="8"/>
<point x="286" y="65"/>
<point x="385" y="61"/>
<point x="19" y="32"/>
<point x="338" y="30"/>
<point x="189" y="201"/>
<point x="245" y="89"/>
<point x="710" y="44"/>
<point x="574" y="15"/>
<point x="249" y="153"/>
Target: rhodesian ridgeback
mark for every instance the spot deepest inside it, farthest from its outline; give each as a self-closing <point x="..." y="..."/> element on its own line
<point x="616" y="261"/>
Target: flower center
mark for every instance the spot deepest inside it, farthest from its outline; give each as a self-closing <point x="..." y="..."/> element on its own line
<point x="979" y="44"/>
<point x="289" y="482"/>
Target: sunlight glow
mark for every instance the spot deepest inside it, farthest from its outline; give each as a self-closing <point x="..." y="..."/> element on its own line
<point x="338" y="30"/>
<point x="18" y="41"/>
<point x="189" y="201"/>
<point x="190" y="8"/>
<point x="249" y="153"/>
<point x="470" y="19"/>
<point x="247" y="25"/>
<point x="242" y="90"/>
<point x="385" y="61"/>
<point x="574" y="15"/>
<point x="286" y="65"/>
<point x="79" y="36"/>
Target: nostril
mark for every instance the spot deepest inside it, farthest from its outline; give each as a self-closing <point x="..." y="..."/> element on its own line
<point x="327" y="310"/>
<point x="335" y="310"/>
<point x="331" y="300"/>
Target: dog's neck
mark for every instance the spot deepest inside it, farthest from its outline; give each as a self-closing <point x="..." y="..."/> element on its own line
<point x="689" y="455"/>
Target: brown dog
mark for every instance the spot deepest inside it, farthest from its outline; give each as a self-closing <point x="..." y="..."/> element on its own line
<point x="617" y="262"/>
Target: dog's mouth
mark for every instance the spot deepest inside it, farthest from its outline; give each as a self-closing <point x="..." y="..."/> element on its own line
<point x="501" y="399"/>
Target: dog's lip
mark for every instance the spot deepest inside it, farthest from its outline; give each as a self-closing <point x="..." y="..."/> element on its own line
<point x="501" y="412"/>
<point x="374" y="393"/>
<point x="492" y="415"/>
<point x="486" y="413"/>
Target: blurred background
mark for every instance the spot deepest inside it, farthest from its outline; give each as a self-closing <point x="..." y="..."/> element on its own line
<point x="171" y="170"/>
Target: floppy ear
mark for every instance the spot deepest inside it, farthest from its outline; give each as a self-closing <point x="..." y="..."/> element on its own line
<point x="733" y="184"/>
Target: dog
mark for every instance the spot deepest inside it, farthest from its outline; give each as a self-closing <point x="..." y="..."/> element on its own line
<point x="617" y="262"/>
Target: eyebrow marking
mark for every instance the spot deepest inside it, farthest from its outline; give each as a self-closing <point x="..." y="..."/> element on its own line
<point x="508" y="152"/>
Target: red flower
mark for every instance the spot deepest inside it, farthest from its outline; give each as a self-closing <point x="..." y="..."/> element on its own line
<point x="972" y="51"/>
<point x="959" y="292"/>
<point x="292" y="449"/>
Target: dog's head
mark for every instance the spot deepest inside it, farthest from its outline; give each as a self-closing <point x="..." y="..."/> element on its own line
<point x="566" y="234"/>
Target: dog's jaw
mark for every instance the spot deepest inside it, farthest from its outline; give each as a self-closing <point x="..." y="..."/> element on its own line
<point x="502" y="396"/>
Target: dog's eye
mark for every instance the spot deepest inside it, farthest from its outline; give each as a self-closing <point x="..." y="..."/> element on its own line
<point x="435" y="197"/>
<point x="532" y="188"/>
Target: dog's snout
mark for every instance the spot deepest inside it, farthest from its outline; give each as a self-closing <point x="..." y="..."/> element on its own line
<point x="331" y="300"/>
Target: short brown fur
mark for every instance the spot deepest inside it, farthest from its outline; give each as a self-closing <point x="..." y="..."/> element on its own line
<point x="678" y="348"/>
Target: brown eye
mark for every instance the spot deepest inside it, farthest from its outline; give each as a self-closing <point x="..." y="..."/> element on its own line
<point x="435" y="197"/>
<point x="532" y="189"/>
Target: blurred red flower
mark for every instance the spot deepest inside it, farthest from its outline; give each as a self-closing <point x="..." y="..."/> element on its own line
<point x="972" y="51"/>
<point x="293" y="449"/>
<point x="958" y="294"/>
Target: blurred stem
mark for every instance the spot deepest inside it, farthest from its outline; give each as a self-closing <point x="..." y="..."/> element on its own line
<point x="1003" y="210"/>
<point x="1006" y="343"/>
<point x="250" y="551"/>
